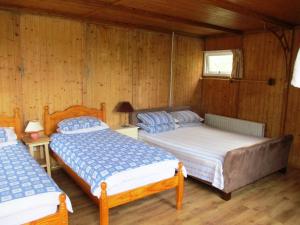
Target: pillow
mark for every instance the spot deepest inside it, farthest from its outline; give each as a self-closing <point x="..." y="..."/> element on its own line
<point x="157" y="128"/>
<point x="85" y="130"/>
<point x="186" y="116"/>
<point x="198" y="124"/>
<point x="155" y="118"/>
<point x="77" y="123"/>
<point x="7" y="134"/>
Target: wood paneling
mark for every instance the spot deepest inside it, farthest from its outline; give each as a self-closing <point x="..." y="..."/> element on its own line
<point x="219" y="97"/>
<point x="65" y="62"/>
<point x="9" y="62"/>
<point x="52" y="55"/>
<point x="108" y="76"/>
<point x="187" y="68"/>
<point x="223" y="43"/>
<point x="151" y="69"/>
<point x="293" y="109"/>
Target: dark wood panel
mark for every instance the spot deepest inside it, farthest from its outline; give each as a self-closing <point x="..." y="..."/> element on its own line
<point x="224" y="43"/>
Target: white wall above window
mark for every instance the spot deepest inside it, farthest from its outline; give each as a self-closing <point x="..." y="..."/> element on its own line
<point x="218" y="63"/>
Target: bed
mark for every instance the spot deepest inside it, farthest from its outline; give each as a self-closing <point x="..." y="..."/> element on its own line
<point x="27" y="194"/>
<point x="95" y="162"/>
<point x="227" y="162"/>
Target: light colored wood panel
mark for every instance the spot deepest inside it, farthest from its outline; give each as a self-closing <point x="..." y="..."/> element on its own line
<point x="262" y="103"/>
<point x="109" y="69"/>
<point x="187" y="71"/>
<point x="264" y="57"/>
<point x="9" y="62"/>
<point x="151" y="69"/>
<point x="219" y="97"/>
<point x="293" y="108"/>
<point x="223" y="43"/>
<point x="52" y="54"/>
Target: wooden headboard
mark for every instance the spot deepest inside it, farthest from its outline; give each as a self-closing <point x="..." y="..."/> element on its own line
<point x="14" y="121"/>
<point x="134" y="120"/>
<point x="51" y="120"/>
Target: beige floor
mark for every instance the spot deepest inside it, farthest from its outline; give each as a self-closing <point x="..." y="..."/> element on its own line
<point x="272" y="200"/>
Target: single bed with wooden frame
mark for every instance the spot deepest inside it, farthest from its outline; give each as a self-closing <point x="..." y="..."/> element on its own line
<point x="105" y="202"/>
<point x="61" y="216"/>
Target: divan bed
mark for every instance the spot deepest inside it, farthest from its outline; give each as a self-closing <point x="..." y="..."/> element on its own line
<point x="222" y="159"/>
<point x="27" y="194"/>
<point x="111" y="168"/>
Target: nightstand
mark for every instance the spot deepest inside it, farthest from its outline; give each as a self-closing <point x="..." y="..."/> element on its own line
<point x="43" y="143"/>
<point x="131" y="131"/>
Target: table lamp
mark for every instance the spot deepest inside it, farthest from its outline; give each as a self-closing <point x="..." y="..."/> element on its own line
<point x="124" y="107"/>
<point x="33" y="128"/>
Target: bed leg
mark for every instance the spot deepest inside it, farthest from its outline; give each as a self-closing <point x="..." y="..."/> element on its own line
<point x="63" y="211"/>
<point x="226" y="196"/>
<point x="283" y="170"/>
<point x="103" y="205"/>
<point x="180" y="187"/>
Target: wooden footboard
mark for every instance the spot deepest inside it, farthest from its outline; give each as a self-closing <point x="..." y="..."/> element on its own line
<point x="59" y="218"/>
<point x="246" y="165"/>
<point x="106" y="202"/>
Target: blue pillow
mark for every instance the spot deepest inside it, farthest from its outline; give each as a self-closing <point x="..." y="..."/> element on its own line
<point x="186" y="116"/>
<point x="77" y="123"/>
<point x="3" y="135"/>
<point x="155" y="118"/>
<point x="157" y="128"/>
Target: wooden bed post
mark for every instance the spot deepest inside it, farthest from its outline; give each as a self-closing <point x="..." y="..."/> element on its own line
<point x="103" y="205"/>
<point x="180" y="187"/>
<point x="18" y="125"/>
<point x="63" y="210"/>
<point x="47" y="130"/>
<point x="103" y="110"/>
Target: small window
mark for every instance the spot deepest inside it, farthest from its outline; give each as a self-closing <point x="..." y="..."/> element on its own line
<point x="218" y="63"/>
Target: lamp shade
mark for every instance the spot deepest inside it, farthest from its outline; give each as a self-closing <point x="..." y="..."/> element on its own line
<point x="296" y="73"/>
<point x="33" y="126"/>
<point x="124" y="107"/>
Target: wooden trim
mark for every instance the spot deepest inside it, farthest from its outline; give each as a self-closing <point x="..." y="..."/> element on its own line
<point x="59" y="218"/>
<point x="14" y="121"/>
<point x="248" y="12"/>
<point x="130" y="11"/>
<point x="106" y="202"/>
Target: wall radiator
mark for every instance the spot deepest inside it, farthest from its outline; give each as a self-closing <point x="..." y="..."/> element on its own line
<point x="235" y="125"/>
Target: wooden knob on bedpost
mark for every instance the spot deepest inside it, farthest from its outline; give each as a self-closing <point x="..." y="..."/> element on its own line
<point x="63" y="209"/>
<point x="103" y="110"/>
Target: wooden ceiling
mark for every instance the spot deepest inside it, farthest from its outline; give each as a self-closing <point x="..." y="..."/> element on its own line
<point x="194" y="17"/>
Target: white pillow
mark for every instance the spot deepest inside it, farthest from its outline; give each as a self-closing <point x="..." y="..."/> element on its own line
<point x="85" y="130"/>
<point x="9" y="134"/>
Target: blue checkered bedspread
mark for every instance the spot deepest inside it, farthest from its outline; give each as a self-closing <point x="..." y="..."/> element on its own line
<point x="95" y="156"/>
<point x="20" y="175"/>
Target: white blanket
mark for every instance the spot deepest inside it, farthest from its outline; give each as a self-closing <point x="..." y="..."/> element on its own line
<point x="202" y="149"/>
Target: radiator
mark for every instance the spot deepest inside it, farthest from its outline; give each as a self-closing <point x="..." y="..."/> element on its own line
<point x="235" y="125"/>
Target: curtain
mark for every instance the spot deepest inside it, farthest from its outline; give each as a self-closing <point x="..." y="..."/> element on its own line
<point x="237" y="64"/>
<point x="296" y="73"/>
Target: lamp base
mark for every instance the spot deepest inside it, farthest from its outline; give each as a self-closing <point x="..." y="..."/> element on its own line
<point x="34" y="135"/>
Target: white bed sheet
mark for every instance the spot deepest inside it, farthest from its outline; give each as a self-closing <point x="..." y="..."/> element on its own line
<point x="24" y="210"/>
<point x="201" y="149"/>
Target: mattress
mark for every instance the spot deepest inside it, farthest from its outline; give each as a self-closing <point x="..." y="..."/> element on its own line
<point x="122" y="162"/>
<point x="202" y="149"/>
<point x="27" y="193"/>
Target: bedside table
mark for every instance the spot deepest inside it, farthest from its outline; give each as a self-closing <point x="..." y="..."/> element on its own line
<point x="42" y="142"/>
<point x="131" y="131"/>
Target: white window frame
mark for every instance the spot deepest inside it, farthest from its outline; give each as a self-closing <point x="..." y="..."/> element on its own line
<point x="207" y="73"/>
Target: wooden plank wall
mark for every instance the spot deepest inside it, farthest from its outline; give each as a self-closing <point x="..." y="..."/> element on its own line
<point x="60" y="62"/>
<point x="252" y="98"/>
<point x="293" y="108"/>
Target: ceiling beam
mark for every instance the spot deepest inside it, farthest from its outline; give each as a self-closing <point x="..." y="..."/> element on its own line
<point x="248" y="12"/>
<point x="150" y="14"/>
